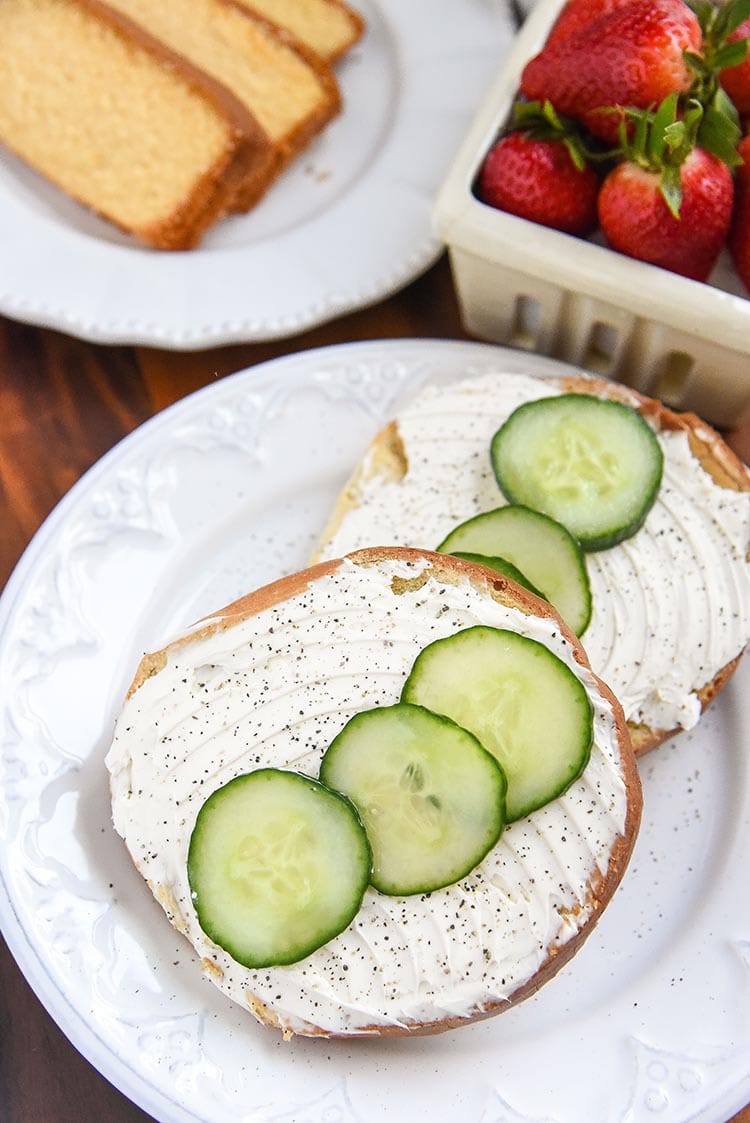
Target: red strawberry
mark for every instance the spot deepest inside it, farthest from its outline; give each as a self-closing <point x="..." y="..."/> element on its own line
<point x="580" y="13"/>
<point x="537" y="179"/>
<point x="736" y="79"/>
<point x="632" y="55"/>
<point x="637" y="221"/>
<point x="739" y="236"/>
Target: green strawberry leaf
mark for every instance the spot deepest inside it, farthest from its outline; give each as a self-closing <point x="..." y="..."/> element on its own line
<point x="670" y="186"/>
<point x="731" y="54"/>
<point x="660" y="138"/>
<point x="639" y="146"/>
<point x="675" y="139"/>
<point x="691" y="119"/>
<point x="729" y="18"/>
<point x="574" y="151"/>
<point x="720" y="135"/>
<point x="541" y="121"/>
<point x="550" y="114"/>
<point x="717" y="24"/>
<point x="704" y="10"/>
<point x="694" y="62"/>
<point x="662" y="132"/>
<point x="722" y="103"/>
<point x="526" y="111"/>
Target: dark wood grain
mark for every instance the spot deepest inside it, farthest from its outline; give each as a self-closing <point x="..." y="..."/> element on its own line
<point x="63" y="404"/>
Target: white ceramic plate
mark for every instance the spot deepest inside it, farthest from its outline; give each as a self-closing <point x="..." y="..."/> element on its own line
<point x="222" y="492"/>
<point x="347" y="224"/>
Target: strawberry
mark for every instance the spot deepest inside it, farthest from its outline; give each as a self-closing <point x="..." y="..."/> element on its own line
<point x="739" y="236"/>
<point x="580" y="13"/>
<point x="636" y="219"/>
<point x="669" y="202"/>
<point x="736" y="79"/>
<point x="539" y="172"/>
<point x="537" y="179"/>
<point x="632" y="55"/>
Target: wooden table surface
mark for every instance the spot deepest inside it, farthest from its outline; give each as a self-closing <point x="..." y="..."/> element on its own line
<point x="64" y="403"/>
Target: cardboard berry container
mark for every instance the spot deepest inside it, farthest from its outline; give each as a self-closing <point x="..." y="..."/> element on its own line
<point x="530" y="287"/>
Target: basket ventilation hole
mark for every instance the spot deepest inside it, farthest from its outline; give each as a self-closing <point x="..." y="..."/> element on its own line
<point x="601" y="348"/>
<point x="527" y="320"/>
<point x="672" y="374"/>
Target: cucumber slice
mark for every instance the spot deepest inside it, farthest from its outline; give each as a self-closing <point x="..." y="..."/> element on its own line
<point x="544" y="551"/>
<point x="500" y="565"/>
<point x="277" y="866"/>
<point x="523" y="704"/>
<point x="431" y="798"/>
<point x="591" y="463"/>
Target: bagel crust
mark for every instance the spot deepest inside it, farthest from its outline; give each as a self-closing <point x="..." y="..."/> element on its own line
<point x="671" y="605"/>
<point x="269" y="681"/>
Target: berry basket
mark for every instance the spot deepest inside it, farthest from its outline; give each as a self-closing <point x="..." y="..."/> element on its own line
<point x="531" y="287"/>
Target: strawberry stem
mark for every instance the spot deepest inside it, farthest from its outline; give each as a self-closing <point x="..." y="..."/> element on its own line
<point x="541" y="121"/>
<point x="661" y="141"/>
<point x="720" y="130"/>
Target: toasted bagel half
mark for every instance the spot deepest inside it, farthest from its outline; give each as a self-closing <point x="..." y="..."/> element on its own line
<point x="671" y="605"/>
<point x="268" y="682"/>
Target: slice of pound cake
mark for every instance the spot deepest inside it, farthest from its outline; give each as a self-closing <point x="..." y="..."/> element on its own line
<point x="328" y="27"/>
<point x="287" y="89"/>
<point x="383" y="796"/>
<point x="100" y="109"/>
<point x="665" y="591"/>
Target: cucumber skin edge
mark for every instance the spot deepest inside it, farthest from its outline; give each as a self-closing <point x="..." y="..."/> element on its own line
<point x="585" y="755"/>
<point x="498" y="768"/>
<point x="284" y="961"/>
<point x="603" y="541"/>
<point x="562" y="530"/>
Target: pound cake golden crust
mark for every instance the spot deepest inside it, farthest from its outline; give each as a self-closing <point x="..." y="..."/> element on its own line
<point x="703" y="477"/>
<point x="269" y="681"/>
<point x="328" y="27"/>
<point x="112" y="160"/>
<point x="288" y="90"/>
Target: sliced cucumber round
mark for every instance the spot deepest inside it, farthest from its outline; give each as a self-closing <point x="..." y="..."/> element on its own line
<point x="277" y="866"/>
<point x="500" y="565"/>
<point x="591" y="463"/>
<point x="431" y="798"/>
<point x="522" y="703"/>
<point x="547" y="555"/>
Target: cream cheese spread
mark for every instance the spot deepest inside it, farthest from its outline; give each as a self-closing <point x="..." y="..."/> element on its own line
<point x="273" y="689"/>
<point x="671" y="605"/>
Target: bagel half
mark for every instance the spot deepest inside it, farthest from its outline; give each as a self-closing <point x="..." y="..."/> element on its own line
<point x="671" y="605"/>
<point x="269" y="681"/>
